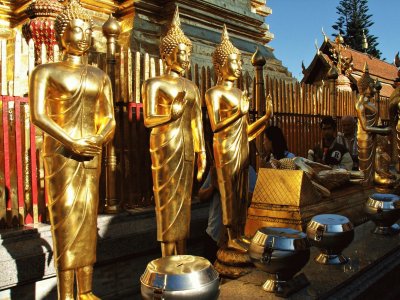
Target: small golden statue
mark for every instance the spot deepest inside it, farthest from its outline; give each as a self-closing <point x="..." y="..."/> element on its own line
<point x="72" y="103"/>
<point x="383" y="178"/>
<point x="368" y="118"/>
<point x="227" y="109"/>
<point x="172" y="108"/>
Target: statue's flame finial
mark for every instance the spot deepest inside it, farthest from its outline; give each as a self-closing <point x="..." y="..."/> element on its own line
<point x="225" y="34"/>
<point x="176" y="21"/>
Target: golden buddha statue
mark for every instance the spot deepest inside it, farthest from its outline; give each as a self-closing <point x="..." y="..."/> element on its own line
<point x="172" y="109"/>
<point x="72" y="103"/>
<point x="227" y="108"/>
<point x="394" y="112"/>
<point x="368" y="118"/>
<point x="382" y="176"/>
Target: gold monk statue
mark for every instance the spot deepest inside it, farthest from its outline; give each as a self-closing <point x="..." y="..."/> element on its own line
<point x="227" y="108"/>
<point x="172" y="109"/>
<point x="368" y="118"/>
<point x="72" y="103"/>
<point x="394" y="113"/>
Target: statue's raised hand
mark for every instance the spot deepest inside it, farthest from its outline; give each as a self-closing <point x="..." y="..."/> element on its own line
<point x="244" y="103"/>
<point x="178" y="105"/>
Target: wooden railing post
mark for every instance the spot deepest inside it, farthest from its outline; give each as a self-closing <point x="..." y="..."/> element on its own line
<point x="111" y="30"/>
<point x="258" y="61"/>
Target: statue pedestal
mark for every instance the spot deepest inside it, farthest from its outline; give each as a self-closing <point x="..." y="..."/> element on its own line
<point x="232" y="264"/>
<point x="286" y="198"/>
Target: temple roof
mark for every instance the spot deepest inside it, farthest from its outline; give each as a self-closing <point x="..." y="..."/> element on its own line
<point x="384" y="71"/>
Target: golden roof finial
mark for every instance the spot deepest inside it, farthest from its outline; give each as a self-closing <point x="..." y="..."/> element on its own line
<point x="325" y="36"/>
<point x="72" y="11"/>
<point x="223" y="50"/>
<point x="174" y="37"/>
<point x="316" y="47"/>
<point x="303" y="67"/>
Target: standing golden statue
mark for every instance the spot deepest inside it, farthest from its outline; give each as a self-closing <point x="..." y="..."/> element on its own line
<point x="172" y="108"/>
<point x="227" y="108"/>
<point x="368" y="118"/>
<point x="394" y="112"/>
<point x="72" y="103"/>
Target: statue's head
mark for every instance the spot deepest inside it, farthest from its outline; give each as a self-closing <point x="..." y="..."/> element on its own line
<point x="74" y="28"/>
<point x="175" y="48"/>
<point x="227" y="59"/>
<point x="366" y="85"/>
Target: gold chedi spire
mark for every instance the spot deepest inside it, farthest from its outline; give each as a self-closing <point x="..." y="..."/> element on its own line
<point x="174" y="37"/>
<point x="364" y="44"/>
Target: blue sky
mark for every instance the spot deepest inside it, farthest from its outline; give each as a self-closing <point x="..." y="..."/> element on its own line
<point x="296" y="25"/>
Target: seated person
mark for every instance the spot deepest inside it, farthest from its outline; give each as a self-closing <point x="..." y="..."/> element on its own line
<point x="215" y="236"/>
<point x="349" y="138"/>
<point x="329" y="151"/>
<point x="275" y="146"/>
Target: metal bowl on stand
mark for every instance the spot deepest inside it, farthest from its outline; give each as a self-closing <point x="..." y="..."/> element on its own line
<point x="180" y="277"/>
<point x="384" y="211"/>
<point x="331" y="234"/>
<point x="280" y="252"/>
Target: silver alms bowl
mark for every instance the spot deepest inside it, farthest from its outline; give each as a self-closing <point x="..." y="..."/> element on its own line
<point x="280" y="252"/>
<point x="331" y="234"/>
<point x="384" y="211"/>
<point x="180" y="277"/>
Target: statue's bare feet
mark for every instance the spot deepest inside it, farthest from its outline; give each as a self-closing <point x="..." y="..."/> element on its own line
<point x="238" y="245"/>
<point x="88" y="296"/>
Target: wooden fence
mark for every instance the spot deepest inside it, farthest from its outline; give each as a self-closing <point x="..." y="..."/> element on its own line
<point x="297" y="109"/>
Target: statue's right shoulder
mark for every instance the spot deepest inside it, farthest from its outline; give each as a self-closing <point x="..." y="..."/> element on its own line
<point x="45" y="70"/>
<point x="214" y="94"/>
<point x="154" y="82"/>
<point x="211" y="91"/>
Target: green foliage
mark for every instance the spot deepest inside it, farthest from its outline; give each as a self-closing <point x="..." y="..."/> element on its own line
<point x="353" y="19"/>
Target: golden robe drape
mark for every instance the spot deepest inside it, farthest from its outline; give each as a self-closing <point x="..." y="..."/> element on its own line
<point x="231" y="153"/>
<point x="72" y="181"/>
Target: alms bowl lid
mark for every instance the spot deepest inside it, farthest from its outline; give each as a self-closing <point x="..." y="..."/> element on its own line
<point x="384" y="201"/>
<point x="281" y="239"/>
<point x="332" y="223"/>
<point x="179" y="272"/>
